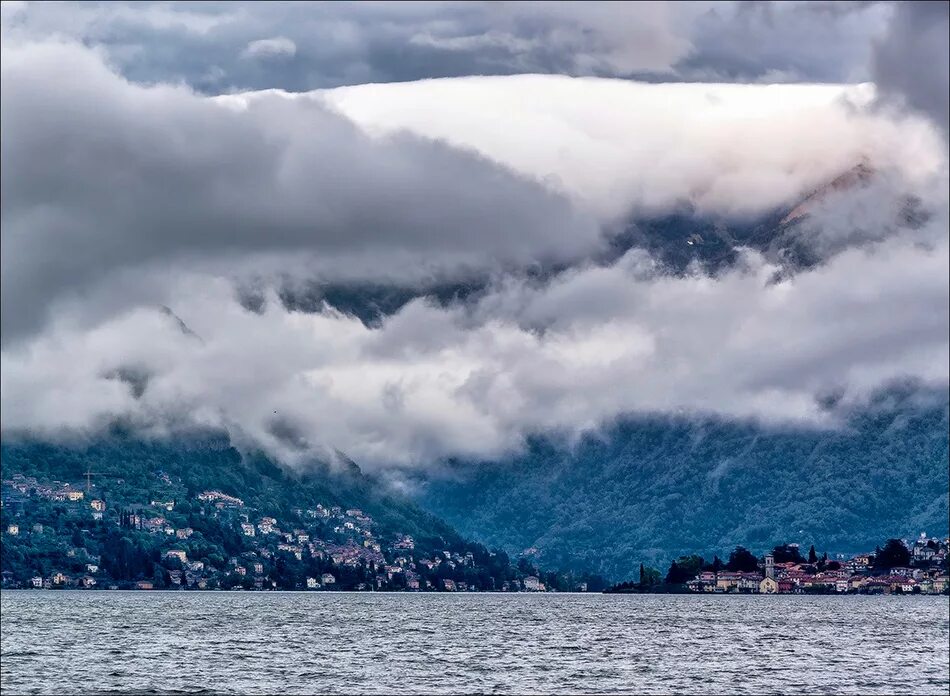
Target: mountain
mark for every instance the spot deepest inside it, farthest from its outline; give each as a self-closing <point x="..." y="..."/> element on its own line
<point x="651" y="489"/>
<point x="127" y="468"/>
<point x="123" y="511"/>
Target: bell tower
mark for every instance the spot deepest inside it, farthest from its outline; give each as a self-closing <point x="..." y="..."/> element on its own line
<point x="770" y="566"/>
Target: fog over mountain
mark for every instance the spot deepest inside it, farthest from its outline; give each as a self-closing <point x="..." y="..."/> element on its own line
<point x="442" y="268"/>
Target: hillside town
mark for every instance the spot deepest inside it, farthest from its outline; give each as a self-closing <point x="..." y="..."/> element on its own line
<point x="925" y="573"/>
<point x="57" y="535"/>
<point x="899" y="567"/>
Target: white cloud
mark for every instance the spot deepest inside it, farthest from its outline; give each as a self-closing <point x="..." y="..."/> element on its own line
<point x="615" y="145"/>
<point x="434" y="382"/>
<point x="125" y="197"/>
<point x="111" y="176"/>
<point x="265" y="49"/>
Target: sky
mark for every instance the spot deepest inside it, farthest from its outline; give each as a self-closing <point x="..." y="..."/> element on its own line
<point x="183" y="183"/>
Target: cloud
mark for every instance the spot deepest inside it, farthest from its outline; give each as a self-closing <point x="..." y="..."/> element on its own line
<point x="566" y="355"/>
<point x="265" y="49"/>
<point x="120" y="198"/>
<point x="613" y="146"/>
<point x="343" y="43"/>
<point x="785" y="42"/>
<point x="112" y="176"/>
<point x="911" y="63"/>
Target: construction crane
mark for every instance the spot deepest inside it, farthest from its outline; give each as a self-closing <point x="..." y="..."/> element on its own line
<point x="89" y="473"/>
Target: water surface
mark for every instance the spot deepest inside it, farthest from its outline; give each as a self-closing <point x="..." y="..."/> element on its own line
<point x="252" y="643"/>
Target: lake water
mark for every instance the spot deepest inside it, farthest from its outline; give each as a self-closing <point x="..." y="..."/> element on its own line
<point x="233" y="642"/>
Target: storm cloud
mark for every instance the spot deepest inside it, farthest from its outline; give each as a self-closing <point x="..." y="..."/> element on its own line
<point x="206" y="45"/>
<point x="157" y="205"/>
<point x="912" y="60"/>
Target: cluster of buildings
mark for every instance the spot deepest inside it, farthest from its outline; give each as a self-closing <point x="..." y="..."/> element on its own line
<point x="333" y="547"/>
<point x="18" y="487"/>
<point x="925" y="574"/>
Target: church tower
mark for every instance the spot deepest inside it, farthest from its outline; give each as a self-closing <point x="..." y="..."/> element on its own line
<point x="770" y="566"/>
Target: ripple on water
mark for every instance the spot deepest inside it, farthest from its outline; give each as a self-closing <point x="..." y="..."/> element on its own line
<point x="126" y="642"/>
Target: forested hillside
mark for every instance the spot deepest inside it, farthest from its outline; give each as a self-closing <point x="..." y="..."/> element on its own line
<point x="652" y="489"/>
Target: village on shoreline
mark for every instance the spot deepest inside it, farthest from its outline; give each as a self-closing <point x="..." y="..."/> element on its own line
<point x="57" y="536"/>
<point x="899" y="567"/>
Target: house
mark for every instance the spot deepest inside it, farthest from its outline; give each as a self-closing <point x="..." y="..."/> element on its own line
<point x="87" y="581"/>
<point x="328" y="579"/>
<point x="37" y="582"/>
<point x="13" y="529"/>
<point x="92" y="568"/>
<point x="768" y="586"/>
<point x="312" y="584"/>
<point x="144" y="585"/>
<point x="532" y="584"/>
<point x="37" y="528"/>
<point x="96" y="515"/>
<point x="59" y="579"/>
<point x="876" y="586"/>
<point x="98" y="505"/>
<point x="154" y="524"/>
<point x="727" y="582"/>
<point x="449" y="585"/>
<point x="405" y="542"/>
<point x="184" y="532"/>
<point x="74" y="495"/>
<point x="240" y="570"/>
<point x="248" y="529"/>
<point x="749" y="582"/>
<point x="176" y="553"/>
<point x="220" y="499"/>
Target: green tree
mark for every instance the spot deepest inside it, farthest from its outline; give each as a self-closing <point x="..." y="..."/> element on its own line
<point x="893" y="555"/>
<point x="812" y="555"/>
<point x="649" y="576"/>
<point x="786" y="553"/>
<point x="742" y="560"/>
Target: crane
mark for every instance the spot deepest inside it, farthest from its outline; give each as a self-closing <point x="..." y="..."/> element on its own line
<point x="89" y="473"/>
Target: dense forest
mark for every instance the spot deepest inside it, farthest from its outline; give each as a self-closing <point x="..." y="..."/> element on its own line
<point x="650" y="489"/>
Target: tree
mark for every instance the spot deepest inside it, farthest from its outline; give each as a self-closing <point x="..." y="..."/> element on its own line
<point x="787" y="553"/>
<point x="812" y="556"/>
<point x="684" y="569"/>
<point x="893" y="555"/>
<point x="741" y="560"/>
<point x="649" y="576"/>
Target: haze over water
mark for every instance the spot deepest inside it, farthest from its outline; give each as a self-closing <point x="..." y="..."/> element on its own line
<point x="249" y="643"/>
